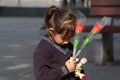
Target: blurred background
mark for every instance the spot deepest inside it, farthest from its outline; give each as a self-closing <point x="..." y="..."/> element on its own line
<point x="20" y="21"/>
<point x="44" y="3"/>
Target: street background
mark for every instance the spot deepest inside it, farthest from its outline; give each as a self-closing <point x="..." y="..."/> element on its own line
<point x="19" y="37"/>
<point x="18" y="40"/>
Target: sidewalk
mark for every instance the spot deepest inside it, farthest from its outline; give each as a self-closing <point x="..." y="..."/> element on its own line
<point x="29" y="3"/>
<point x="20" y="36"/>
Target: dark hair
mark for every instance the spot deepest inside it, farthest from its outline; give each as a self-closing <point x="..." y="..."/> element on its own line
<point x="61" y="19"/>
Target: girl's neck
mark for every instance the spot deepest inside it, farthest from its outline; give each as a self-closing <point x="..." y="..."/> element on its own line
<point x="51" y="39"/>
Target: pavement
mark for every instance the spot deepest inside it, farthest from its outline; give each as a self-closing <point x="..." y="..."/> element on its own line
<point x="29" y="3"/>
<point x="40" y="3"/>
<point x="19" y="37"/>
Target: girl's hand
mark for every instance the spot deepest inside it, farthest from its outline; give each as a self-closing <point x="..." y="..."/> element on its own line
<point x="78" y="69"/>
<point x="70" y="64"/>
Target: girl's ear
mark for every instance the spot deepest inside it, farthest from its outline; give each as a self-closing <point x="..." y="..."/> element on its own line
<point x="51" y="31"/>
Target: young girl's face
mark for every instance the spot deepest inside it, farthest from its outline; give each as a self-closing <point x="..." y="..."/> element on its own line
<point x="60" y="39"/>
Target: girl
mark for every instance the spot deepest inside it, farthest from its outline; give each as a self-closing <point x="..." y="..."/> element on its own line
<point x="52" y="55"/>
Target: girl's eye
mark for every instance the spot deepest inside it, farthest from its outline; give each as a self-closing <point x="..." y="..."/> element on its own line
<point x="62" y="38"/>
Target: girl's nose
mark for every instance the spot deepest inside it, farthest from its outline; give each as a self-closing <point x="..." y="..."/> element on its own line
<point x="65" y="42"/>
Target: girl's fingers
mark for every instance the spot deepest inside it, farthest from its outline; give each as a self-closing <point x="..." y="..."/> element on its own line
<point x="78" y="69"/>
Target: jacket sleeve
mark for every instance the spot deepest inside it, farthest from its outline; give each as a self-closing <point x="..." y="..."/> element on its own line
<point x="43" y="70"/>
